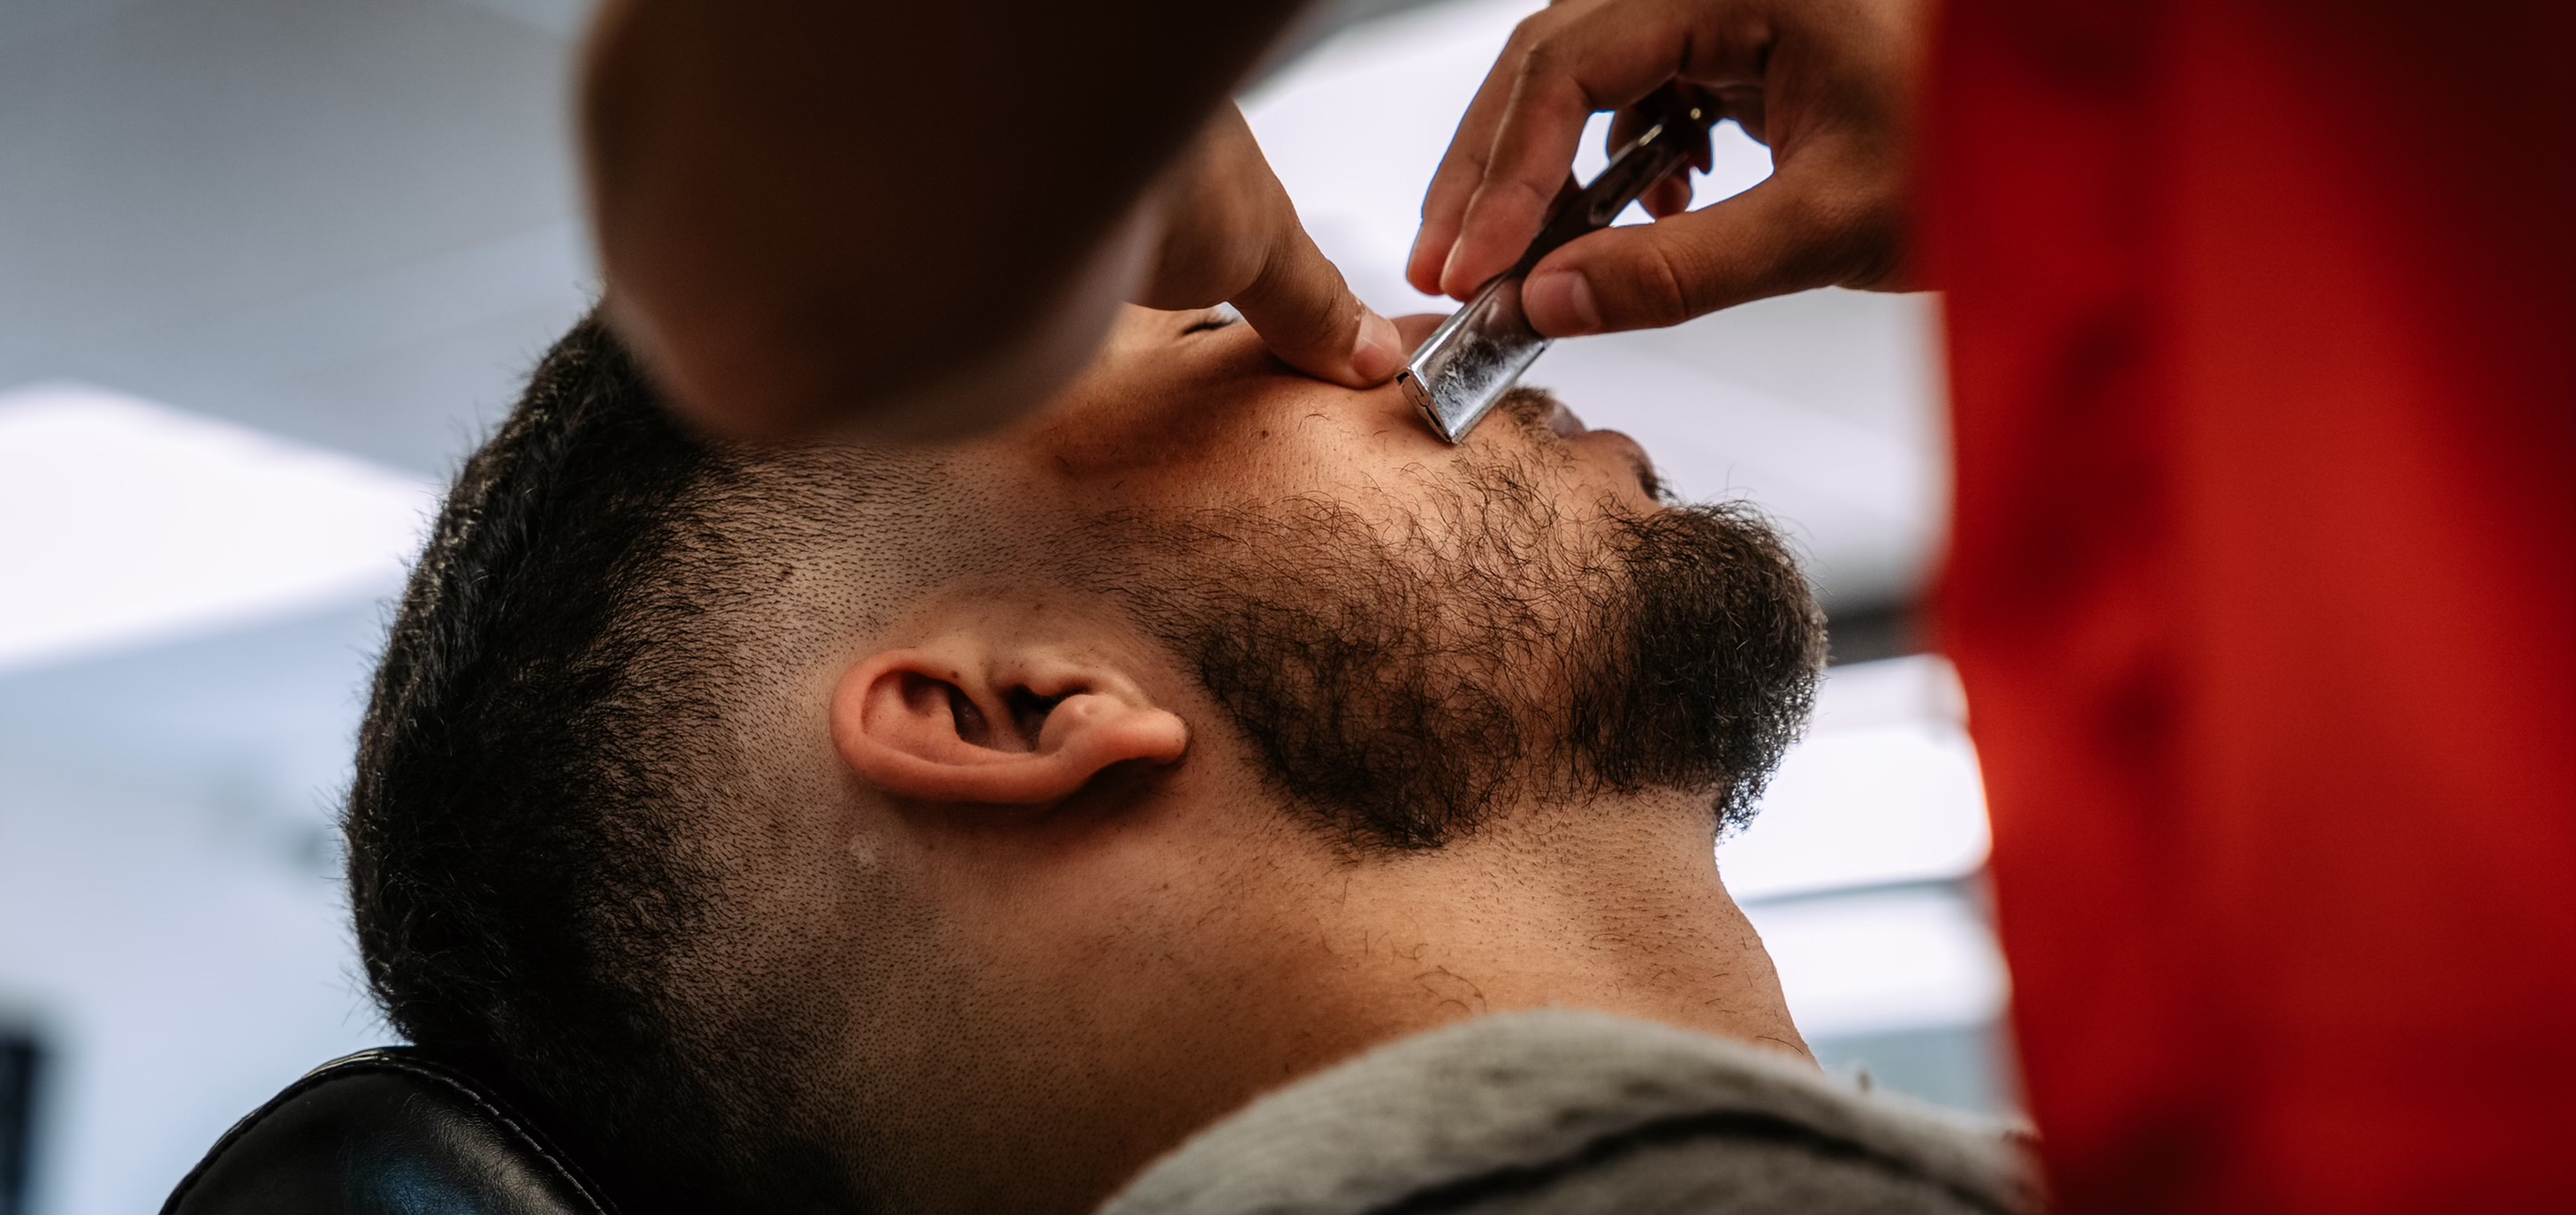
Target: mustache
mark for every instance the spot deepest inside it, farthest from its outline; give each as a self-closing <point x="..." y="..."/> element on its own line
<point x="1532" y="411"/>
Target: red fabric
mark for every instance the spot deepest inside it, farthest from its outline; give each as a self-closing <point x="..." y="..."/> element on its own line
<point x="2263" y="338"/>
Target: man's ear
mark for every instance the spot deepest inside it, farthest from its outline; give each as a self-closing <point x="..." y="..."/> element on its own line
<point x="943" y="723"/>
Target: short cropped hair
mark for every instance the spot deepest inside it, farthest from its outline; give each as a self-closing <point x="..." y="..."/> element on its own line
<point x="522" y="830"/>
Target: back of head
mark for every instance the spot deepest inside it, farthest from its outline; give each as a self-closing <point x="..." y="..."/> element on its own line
<point x="526" y="861"/>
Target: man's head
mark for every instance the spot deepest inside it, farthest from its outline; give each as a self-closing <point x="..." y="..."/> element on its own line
<point x="820" y="827"/>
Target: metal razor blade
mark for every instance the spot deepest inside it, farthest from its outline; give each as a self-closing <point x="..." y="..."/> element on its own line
<point x="1479" y="353"/>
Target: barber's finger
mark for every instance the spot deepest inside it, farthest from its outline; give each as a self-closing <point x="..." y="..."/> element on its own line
<point x="1462" y="169"/>
<point x="1303" y="309"/>
<point x="1606" y="57"/>
<point x="1541" y="127"/>
<point x="1776" y="238"/>
<point x="1445" y="200"/>
<point x="1462" y="166"/>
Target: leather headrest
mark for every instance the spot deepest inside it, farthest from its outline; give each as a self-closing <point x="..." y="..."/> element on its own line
<point x="385" y="1132"/>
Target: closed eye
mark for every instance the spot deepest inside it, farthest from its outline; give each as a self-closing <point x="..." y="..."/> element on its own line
<point x="1217" y="319"/>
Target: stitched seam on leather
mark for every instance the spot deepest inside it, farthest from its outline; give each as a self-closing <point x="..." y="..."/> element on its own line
<point x="525" y="1134"/>
<point x="319" y="1075"/>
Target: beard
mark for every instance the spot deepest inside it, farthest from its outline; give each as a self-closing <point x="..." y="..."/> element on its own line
<point x="1402" y="685"/>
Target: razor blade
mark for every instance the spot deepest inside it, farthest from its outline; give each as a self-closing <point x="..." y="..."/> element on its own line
<point x="1466" y="366"/>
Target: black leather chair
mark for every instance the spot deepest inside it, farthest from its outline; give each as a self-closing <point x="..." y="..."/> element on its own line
<point x="385" y="1132"/>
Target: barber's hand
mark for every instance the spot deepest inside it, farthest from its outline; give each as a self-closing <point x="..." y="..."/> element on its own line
<point x="1229" y="235"/>
<point x="1826" y="83"/>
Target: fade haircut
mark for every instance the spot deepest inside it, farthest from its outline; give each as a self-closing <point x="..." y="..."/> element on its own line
<point x="529" y="867"/>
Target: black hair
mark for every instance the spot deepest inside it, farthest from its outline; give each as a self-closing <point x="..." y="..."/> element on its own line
<point x="520" y="839"/>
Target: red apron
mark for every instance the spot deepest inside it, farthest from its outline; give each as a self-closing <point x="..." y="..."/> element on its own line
<point x="2263" y="344"/>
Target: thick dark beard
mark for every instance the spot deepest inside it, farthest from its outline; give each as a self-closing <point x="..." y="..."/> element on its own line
<point x="1714" y="673"/>
<point x="1399" y="692"/>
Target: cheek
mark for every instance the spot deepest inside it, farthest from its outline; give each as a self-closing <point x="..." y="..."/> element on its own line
<point x="1300" y="436"/>
<point x="1226" y="445"/>
<point x="1133" y="427"/>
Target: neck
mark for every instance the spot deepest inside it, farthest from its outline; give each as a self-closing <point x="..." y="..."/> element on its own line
<point x="1213" y="954"/>
<point x="1614" y="907"/>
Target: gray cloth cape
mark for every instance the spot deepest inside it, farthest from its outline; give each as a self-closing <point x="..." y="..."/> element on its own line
<point x="1573" y="1113"/>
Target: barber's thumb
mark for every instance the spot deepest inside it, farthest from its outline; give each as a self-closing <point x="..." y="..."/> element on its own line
<point x="1779" y="237"/>
<point x="1559" y="302"/>
<point x="1304" y="309"/>
<point x="1648" y="276"/>
<point x="1620" y="279"/>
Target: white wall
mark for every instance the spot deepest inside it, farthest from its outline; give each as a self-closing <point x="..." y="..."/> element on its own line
<point x="170" y="910"/>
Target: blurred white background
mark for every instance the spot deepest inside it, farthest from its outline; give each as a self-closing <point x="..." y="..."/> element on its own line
<point x="268" y="267"/>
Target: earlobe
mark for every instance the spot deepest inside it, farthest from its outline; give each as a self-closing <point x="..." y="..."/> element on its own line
<point x="931" y="726"/>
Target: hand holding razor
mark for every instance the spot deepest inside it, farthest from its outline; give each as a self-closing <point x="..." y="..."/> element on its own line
<point x="1479" y="353"/>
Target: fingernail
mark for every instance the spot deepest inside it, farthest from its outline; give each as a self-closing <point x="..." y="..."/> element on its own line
<point x="1378" y="351"/>
<point x="1559" y="303"/>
